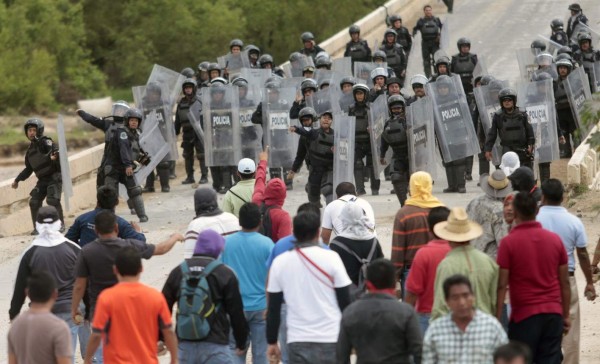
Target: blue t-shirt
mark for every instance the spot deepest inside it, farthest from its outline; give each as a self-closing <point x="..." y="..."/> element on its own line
<point x="82" y="231"/>
<point x="246" y="253"/>
<point x="283" y="245"/>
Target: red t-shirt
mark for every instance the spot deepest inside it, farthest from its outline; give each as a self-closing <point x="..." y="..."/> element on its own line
<point x="421" y="279"/>
<point x="532" y="256"/>
<point x="130" y="315"/>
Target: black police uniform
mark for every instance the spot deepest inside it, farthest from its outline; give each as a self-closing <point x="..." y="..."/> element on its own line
<point x="404" y="39"/>
<point x="190" y="141"/>
<point x="395" y="136"/>
<point x="430" y="29"/>
<point x="163" y="168"/>
<point x="362" y="149"/>
<point x="396" y="59"/>
<point x="566" y="121"/>
<point x="515" y="132"/>
<point x="358" y="51"/>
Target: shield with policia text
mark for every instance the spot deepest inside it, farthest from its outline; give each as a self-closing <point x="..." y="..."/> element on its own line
<point x="537" y="99"/>
<point x="282" y="143"/>
<point x="578" y="91"/>
<point x="378" y="114"/>
<point x="487" y="104"/>
<point x="421" y="136"/>
<point x="221" y="126"/>
<point x="343" y="156"/>
<point x="251" y="134"/>
<point x="453" y="124"/>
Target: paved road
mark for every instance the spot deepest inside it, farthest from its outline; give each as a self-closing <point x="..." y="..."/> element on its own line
<point x="496" y="29"/>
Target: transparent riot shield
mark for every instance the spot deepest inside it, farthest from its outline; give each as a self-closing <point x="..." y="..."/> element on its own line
<point x="595" y="77"/>
<point x="234" y="62"/>
<point x="169" y="81"/>
<point x="343" y="157"/>
<point x="363" y="70"/>
<point x="445" y="35"/>
<point x="221" y="130"/>
<point x="325" y="100"/>
<point x="153" y="143"/>
<point x="595" y="35"/>
<point x="415" y="61"/>
<point x="195" y="116"/>
<point x="421" y="136"/>
<point x="150" y="99"/>
<point x="342" y="65"/>
<point x="346" y="100"/>
<point x="378" y="114"/>
<point x="251" y="134"/>
<point x="537" y="99"/>
<point x="527" y="64"/>
<point x="276" y="119"/>
<point x="294" y="69"/>
<point x="63" y="155"/>
<point x="293" y="82"/>
<point x="551" y="46"/>
<point x="454" y="128"/>
<point x="480" y="68"/>
<point x="578" y="91"/>
<point x="487" y="101"/>
<point x="256" y="77"/>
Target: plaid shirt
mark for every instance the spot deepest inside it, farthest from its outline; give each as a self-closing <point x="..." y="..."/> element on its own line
<point x="446" y="343"/>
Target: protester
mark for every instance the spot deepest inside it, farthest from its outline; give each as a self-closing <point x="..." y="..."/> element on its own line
<point x="377" y="326"/>
<point x="411" y="230"/>
<point x="464" y="259"/>
<point x="345" y="192"/>
<point x="421" y="281"/>
<point x="523" y="180"/>
<point x="223" y="288"/>
<point x="241" y="193"/>
<point x="507" y="212"/>
<point x="246" y="252"/>
<point x="512" y="353"/>
<point x="129" y="316"/>
<point x="37" y="335"/>
<point x="316" y="289"/>
<point x="557" y="219"/>
<point x="208" y="216"/>
<point x="466" y="334"/>
<point x="107" y="198"/>
<point x="539" y="283"/>
<point x="486" y="210"/>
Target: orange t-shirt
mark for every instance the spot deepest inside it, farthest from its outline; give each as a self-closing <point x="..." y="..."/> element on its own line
<point x="129" y="316"/>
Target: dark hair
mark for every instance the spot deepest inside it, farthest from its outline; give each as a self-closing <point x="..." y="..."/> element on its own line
<point x="105" y="222"/>
<point x="309" y="207"/>
<point x="456" y="280"/>
<point x="107" y="197"/>
<point x="306" y="226"/>
<point x="246" y="176"/>
<point x="427" y="6"/>
<point x="512" y="351"/>
<point x="525" y="205"/>
<point x="382" y="273"/>
<point x="128" y="261"/>
<point x="553" y="191"/>
<point x="437" y="214"/>
<point x="40" y="286"/>
<point x="345" y="188"/>
<point x="249" y="216"/>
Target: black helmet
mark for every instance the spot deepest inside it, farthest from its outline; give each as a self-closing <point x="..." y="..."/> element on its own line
<point x="379" y="54"/>
<point x="395" y="100"/>
<point x="37" y="123"/>
<point x="347" y="80"/>
<point x="133" y="113"/>
<point x="463" y="41"/>
<point x="274" y="78"/>
<point x="153" y="88"/>
<point x="307" y="36"/>
<point x="394" y="18"/>
<point x="324" y="82"/>
<point x="566" y="56"/>
<point x="119" y="108"/>
<point x="354" y="29"/>
<point x="240" y="82"/>
<point x="307" y="112"/>
<point x="323" y="61"/>
<point x="557" y="24"/>
<point x="203" y="66"/>
<point x="575" y="7"/>
<point x="236" y="43"/>
<point x="251" y="48"/>
<point x="496" y="85"/>
<point x="389" y="31"/>
<point x="326" y="112"/>
<point x="444" y="81"/>
<point x="264" y="59"/>
<point x="507" y="92"/>
<point x="295" y="56"/>
<point x="393" y="80"/>
<point x="564" y="63"/>
<point x="214" y="67"/>
<point x="583" y="36"/>
<point x="273" y="86"/>
<point x="539" y="45"/>
<point x="442" y="60"/>
<point x="187" y="72"/>
<point x="189" y="82"/>
<point x="541" y="76"/>
<point x="360" y="87"/>
<point x="565" y="50"/>
<point x="486" y="79"/>
<point x="308" y="83"/>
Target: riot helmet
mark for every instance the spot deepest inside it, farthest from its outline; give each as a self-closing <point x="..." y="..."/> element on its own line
<point x="323" y="62"/>
<point x="389" y="31"/>
<point x="418" y="80"/>
<point x="394" y="18"/>
<point x="556" y="25"/>
<point x="133" y="113"/>
<point x="544" y="59"/>
<point x="378" y="54"/>
<point x="463" y="41"/>
<point x="213" y="67"/>
<point x="507" y="93"/>
<point x="354" y="29"/>
<point x="379" y="72"/>
<point x="119" y="108"/>
<point x="538" y="44"/>
<point x="307" y="37"/>
<point x="308" y="84"/>
<point x="563" y="56"/>
<point x="542" y="76"/>
<point x="486" y="79"/>
<point x="307" y="113"/>
<point x="564" y="50"/>
<point x="442" y="61"/>
<point x="253" y="52"/>
<point x="187" y="72"/>
<point x="189" y="82"/>
<point x="295" y="57"/>
<point x="37" y="124"/>
<point x="236" y="43"/>
<point x="347" y="80"/>
<point x="324" y="83"/>
<point x="564" y="63"/>
<point x="218" y="80"/>
<point x="575" y="7"/>
<point x="360" y="87"/>
<point x="395" y="101"/>
<point x="240" y="82"/>
<point x="584" y="36"/>
<point x="264" y="60"/>
<point x="203" y="66"/>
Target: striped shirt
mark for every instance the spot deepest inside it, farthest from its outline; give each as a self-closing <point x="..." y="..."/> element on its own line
<point x="411" y="231"/>
<point x="224" y="224"/>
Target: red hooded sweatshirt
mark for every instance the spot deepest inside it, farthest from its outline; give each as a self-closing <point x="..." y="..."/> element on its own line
<point x="272" y="194"/>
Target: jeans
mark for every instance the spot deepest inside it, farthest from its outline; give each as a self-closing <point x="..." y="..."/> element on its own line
<point x="403" y="279"/>
<point x="73" y="328"/>
<point x="542" y="333"/>
<point x="424" y="321"/>
<point x="84" y="333"/>
<point x="310" y="353"/>
<point x="258" y="338"/>
<point x="202" y="352"/>
<point x="570" y="342"/>
<point x="282" y="337"/>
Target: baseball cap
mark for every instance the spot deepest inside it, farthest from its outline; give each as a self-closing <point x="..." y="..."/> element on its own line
<point x="246" y="166"/>
<point x="47" y="215"/>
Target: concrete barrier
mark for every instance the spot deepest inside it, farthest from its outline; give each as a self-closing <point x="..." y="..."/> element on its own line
<point x="584" y="165"/>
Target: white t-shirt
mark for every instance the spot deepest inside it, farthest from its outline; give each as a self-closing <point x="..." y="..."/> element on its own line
<point x="313" y="314"/>
<point x="334" y="209"/>
<point x="224" y="224"/>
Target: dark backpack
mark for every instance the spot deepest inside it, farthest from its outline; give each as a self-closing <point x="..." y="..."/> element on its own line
<point x="266" y="226"/>
<point x="195" y="305"/>
<point x="357" y="291"/>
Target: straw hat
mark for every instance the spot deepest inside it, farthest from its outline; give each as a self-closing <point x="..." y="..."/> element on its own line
<point x="495" y="185"/>
<point x="458" y="228"/>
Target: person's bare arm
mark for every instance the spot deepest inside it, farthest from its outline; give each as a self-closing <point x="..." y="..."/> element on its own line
<point x="165" y="246"/>
<point x="92" y="346"/>
<point x="502" y="285"/>
<point x="596" y="259"/>
<point x="12" y="359"/>
<point x="565" y="293"/>
<point x="586" y="268"/>
<point x="171" y="343"/>
<point x="410" y="298"/>
<point x="78" y="292"/>
<point x="325" y="235"/>
<point x="63" y="360"/>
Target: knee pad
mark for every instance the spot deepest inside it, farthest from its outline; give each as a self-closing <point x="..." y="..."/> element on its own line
<point x="200" y="157"/>
<point x="359" y="164"/>
<point x="134" y="191"/>
<point x="35" y="203"/>
<point x="163" y="165"/>
<point x="327" y="189"/>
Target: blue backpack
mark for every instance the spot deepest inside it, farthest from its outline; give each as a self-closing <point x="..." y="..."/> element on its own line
<point x="195" y="304"/>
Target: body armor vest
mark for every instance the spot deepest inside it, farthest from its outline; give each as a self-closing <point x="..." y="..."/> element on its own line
<point x="393" y="58"/>
<point x="512" y="128"/>
<point x="320" y="148"/>
<point x="183" y="111"/>
<point x="560" y="96"/>
<point x="394" y="133"/>
<point x="358" y="51"/>
<point x="361" y="112"/>
<point x="40" y="161"/>
<point x="430" y="29"/>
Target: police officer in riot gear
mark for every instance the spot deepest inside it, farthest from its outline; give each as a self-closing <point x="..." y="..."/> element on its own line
<point x="430" y="28"/>
<point x="417" y="83"/>
<point x="395" y="136"/>
<point x="124" y="157"/>
<point x="307" y="116"/>
<point x="188" y="72"/>
<point x="323" y="62"/>
<point x="307" y="88"/>
<point x="347" y="98"/>
<point x="202" y="77"/>
<point x="393" y="86"/>
<point x="235" y="46"/>
<point x="576" y="18"/>
<point x="214" y="71"/>
<point x="513" y="127"/>
<point x="442" y="68"/>
<point x="463" y="63"/>
<point x="566" y="121"/>
<point x="320" y="153"/>
<point x="558" y="34"/>
<point x="539" y="45"/>
<point x="396" y="58"/>
<point x="378" y="76"/>
<point x="190" y="141"/>
<point x="266" y="62"/>
<point x="362" y="148"/>
<point x="248" y="133"/>
<point x="311" y="49"/>
<point x="380" y="58"/>
<point x="544" y="62"/>
<point x="357" y="49"/>
<point x="587" y="56"/>
<point x="253" y="55"/>
<point x="41" y="158"/>
<point x="221" y="175"/>
<point x="403" y="34"/>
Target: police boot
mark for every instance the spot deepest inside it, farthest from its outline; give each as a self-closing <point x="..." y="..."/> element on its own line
<point x="215" y="172"/>
<point x="138" y="203"/>
<point x="544" y="172"/>
<point x="469" y="168"/>
<point x="450" y="176"/>
<point x="172" y="166"/>
<point x="359" y="179"/>
<point x="163" y="170"/>
<point x="131" y="206"/>
<point x="203" y="170"/>
<point x="459" y="176"/>
<point x="289" y="183"/>
<point x="34" y="212"/>
<point x="149" y="183"/>
<point x="314" y="195"/>
<point x="189" y="170"/>
<point x="375" y="182"/>
<point x="484" y="165"/>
